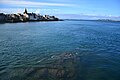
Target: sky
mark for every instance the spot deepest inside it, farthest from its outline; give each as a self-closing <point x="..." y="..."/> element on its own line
<point x="65" y="9"/>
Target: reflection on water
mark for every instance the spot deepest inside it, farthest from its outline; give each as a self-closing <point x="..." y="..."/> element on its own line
<point x="65" y="50"/>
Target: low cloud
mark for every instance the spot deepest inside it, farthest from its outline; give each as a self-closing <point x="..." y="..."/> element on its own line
<point x="42" y="11"/>
<point x="24" y="3"/>
<point x="87" y="16"/>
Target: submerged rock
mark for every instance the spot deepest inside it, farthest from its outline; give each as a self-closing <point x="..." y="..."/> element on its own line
<point x="55" y="67"/>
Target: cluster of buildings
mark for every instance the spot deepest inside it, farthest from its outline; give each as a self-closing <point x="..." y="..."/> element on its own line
<point x="26" y="17"/>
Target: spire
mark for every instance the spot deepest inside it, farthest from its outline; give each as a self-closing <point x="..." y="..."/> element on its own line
<point x="25" y="11"/>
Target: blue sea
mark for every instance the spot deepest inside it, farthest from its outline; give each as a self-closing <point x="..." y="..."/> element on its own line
<point x="60" y="50"/>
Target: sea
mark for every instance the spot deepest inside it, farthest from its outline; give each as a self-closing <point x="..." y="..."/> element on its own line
<point x="60" y="50"/>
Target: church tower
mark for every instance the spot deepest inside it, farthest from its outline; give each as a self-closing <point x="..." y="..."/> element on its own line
<point x="25" y="11"/>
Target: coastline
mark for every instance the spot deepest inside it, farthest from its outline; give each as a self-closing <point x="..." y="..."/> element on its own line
<point x="30" y="21"/>
<point x="26" y="17"/>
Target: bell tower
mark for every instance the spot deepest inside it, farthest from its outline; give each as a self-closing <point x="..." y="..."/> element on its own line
<point x="25" y="11"/>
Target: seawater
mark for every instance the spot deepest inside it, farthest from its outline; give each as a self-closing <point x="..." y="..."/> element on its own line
<point x="27" y="48"/>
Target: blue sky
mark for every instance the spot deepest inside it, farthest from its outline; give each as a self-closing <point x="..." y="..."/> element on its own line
<point x="78" y="9"/>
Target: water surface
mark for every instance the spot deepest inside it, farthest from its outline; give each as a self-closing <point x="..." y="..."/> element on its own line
<point x="63" y="50"/>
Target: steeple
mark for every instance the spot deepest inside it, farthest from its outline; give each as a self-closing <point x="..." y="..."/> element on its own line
<point x="25" y="11"/>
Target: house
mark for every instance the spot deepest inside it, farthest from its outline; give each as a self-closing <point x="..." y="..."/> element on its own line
<point x="31" y="16"/>
<point x="22" y="17"/>
<point x="2" y="17"/>
<point x="51" y="18"/>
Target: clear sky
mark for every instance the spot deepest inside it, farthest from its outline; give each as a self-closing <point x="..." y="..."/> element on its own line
<point x="84" y="9"/>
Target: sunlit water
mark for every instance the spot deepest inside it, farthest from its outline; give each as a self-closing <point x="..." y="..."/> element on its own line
<point x="24" y="46"/>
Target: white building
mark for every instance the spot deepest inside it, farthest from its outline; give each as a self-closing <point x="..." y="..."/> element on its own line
<point x="31" y="16"/>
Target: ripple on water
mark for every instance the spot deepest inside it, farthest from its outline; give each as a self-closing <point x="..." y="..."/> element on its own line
<point x="68" y="50"/>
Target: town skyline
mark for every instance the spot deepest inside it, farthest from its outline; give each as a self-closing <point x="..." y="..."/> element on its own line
<point x="26" y="17"/>
<point x="65" y="9"/>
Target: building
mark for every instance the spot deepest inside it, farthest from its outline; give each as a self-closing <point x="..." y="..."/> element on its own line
<point x="50" y="18"/>
<point x="22" y="17"/>
<point x="2" y="17"/>
<point x="31" y="16"/>
<point x="25" y="17"/>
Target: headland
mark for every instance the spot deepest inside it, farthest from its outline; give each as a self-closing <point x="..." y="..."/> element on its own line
<point x="25" y="17"/>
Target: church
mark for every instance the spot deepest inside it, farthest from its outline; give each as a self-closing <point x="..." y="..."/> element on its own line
<point x="31" y="16"/>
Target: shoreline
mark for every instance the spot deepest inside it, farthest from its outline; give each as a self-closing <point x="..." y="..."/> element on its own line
<point x="26" y="17"/>
<point x="30" y="21"/>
